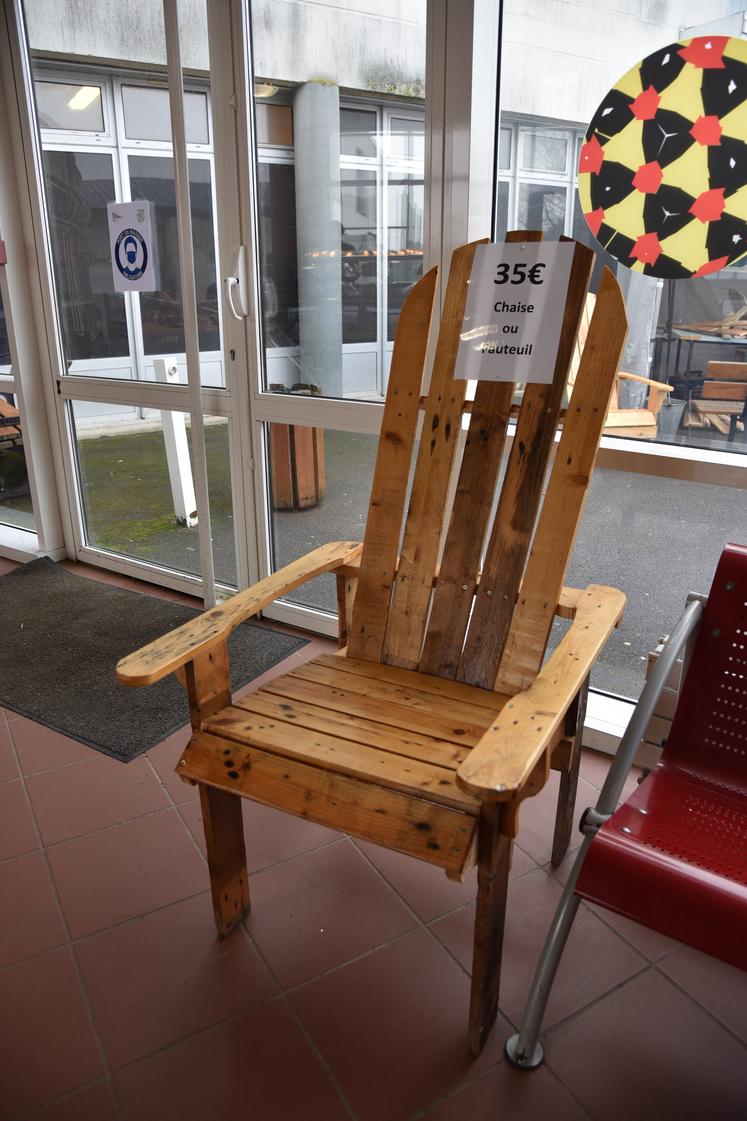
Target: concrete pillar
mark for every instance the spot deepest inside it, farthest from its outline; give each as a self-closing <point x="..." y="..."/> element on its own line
<point x="316" y="131"/>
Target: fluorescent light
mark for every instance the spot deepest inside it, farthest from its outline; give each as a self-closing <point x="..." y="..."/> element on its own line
<point x="83" y="98"/>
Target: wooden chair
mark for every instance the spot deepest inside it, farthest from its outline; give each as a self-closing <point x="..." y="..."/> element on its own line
<point x="723" y="398"/>
<point x="427" y="732"/>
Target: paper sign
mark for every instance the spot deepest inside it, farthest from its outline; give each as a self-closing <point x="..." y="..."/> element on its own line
<point x="514" y="313"/>
<point x="133" y="265"/>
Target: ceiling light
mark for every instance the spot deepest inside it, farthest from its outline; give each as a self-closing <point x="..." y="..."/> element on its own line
<point x="83" y="98"/>
<point x="264" y="89"/>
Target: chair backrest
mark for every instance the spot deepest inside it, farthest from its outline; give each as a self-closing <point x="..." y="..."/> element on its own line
<point x="433" y="609"/>
<point x="725" y="381"/>
<point x="709" y="730"/>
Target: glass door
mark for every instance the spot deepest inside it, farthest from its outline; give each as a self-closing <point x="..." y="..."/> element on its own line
<point x="16" y="505"/>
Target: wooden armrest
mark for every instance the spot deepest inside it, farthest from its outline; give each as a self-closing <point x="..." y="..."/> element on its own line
<point x="661" y="385"/>
<point x="200" y="635"/>
<point x="504" y="758"/>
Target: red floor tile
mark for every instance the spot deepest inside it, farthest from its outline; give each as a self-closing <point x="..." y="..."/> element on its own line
<point x="162" y="977"/>
<point x="514" y="1095"/>
<point x="426" y="888"/>
<point x="393" y="1028"/>
<point x="40" y="748"/>
<point x="17" y="832"/>
<point x="537" y="818"/>
<point x="595" y="959"/>
<point x="47" y="1046"/>
<point x="719" y="987"/>
<point x="92" y="794"/>
<point x="127" y="870"/>
<point x="94" y="1103"/>
<point x="164" y="758"/>
<point x="270" y="835"/>
<point x="648" y="1051"/>
<point x="318" y="910"/>
<point x="8" y="765"/>
<point x="257" y="1066"/>
<point x="30" y="921"/>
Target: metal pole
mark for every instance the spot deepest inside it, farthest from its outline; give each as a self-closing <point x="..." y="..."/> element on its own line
<point x="189" y="296"/>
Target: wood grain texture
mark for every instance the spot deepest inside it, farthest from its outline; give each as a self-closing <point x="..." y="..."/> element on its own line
<point x="566" y="492"/>
<point x="208" y="682"/>
<point x="520" y="496"/>
<point x="413" y="679"/>
<point x="226" y="856"/>
<point x="727" y="371"/>
<point x="416" y="826"/>
<point x="493" y="867"/>
<point x="508" y="752"/>
<point x="438" y="443"/>
<point x="391" y="474"/>
<point x="198" y="636"/>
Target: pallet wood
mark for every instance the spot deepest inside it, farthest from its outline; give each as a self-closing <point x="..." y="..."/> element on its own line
<point x="389" y="487"/>
<point x="433" y="833"/>
<point x="226" y="856"/>
<point x="727" y="371"/>
<point x="530" y="626"/>
<point x="441" y="426"/>
<point x="520" y="497"/>
<point x="207" y="679"/>
<point x="412" y="679"/>
<point x="347" y="586"/>
<point x="200" y="635"/>
<point x="493" y="867"/>
<point x="566" y="813"/>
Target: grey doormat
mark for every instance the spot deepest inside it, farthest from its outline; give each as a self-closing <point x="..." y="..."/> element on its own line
<point x="64" y="634"/>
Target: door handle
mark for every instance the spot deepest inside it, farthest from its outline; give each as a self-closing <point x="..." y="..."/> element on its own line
<point x="236" y="286"/>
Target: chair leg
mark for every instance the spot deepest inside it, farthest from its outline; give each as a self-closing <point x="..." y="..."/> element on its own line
<point x="493" y="866"/>
<point x="574" y="727"/>
<point x="224" y="838"/>
<point x="524" y="1049"/>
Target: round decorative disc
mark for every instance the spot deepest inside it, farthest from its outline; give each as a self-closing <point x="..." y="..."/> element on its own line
<point x="662" y="177"/>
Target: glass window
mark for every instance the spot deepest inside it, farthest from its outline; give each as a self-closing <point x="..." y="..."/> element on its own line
<point x="358" y="245"/>
<point x="542" y="207"/>
<point x="276" y="200"/>
<point x="15" y="493"/>
<point x="501" y="216"/>
<point x="407" y="139"/>
<point x="274" y="124"/>
<point x="92" y="315"/>
<point x="504" y="149"/>
<point x="405" y="248"/>
<point x="4" y="341"/>
<point x="69" y="106"/>
<point x="543" y="151"/>
<point x="147" y="115"/>
<point x="152" y="178"/>
<point x="358" y="133"/>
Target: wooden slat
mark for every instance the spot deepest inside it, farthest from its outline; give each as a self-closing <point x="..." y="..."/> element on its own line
<point x="566" y="491"/>
<point x="358" y="729"/>
<point x="724" y="390"/>
<point x="468" y="716"/>
<point x="385" y="768"/>
<point x="438" y="443"/>
<point x="412" y="679"/>
<point x="434" y="833"/>
<point x="198" y="636"/>
<point x="727" y="371"/>
<point x="358" y="703"/>
<point x="520" y="496"/>
<point x="473" y="502"/>
<point x="507" y="754"/>
<point x="391" y="474"/>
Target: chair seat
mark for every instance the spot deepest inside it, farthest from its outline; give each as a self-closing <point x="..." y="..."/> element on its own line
<point x="673" y="858"/>
<point x="392" y="739"/>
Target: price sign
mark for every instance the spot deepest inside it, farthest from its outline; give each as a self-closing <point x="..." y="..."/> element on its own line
<point x="514" y="311"/>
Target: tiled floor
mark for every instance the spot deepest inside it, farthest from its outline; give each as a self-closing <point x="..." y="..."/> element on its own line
<point x="343" y="996"/>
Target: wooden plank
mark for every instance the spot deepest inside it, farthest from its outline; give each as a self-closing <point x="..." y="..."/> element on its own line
<point x="470" y="717"/>
<point x="281" y="474"/>
<point x="520" y="496"/>
<point x="360" y="704"/>
<point x="724" y="390"/>
<point x="566" y="492"/>
<point x="630" y="418"/>
<point x="419" y="555"/>
<point x="493" y="867"/>
<point x="304" y="466"/>
<point x="208" y="683"/>
<point x="565" y="815"/>
<point x="343" y="756"/>
<point x="727" y="371"/>
<point x="355" y="728"/>
<point x="226" y="856"/>
<point x="507" y="754"/>
<point x="416" y="826"/>
<point x="473" y="502"/>
<point x="412" y="679"/>
<point x="347" y="586"/>
<point x="391" y="474"/>
<point x="198" y="636"/>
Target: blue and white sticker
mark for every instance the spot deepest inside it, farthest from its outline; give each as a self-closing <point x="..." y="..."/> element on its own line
<point x="131" y="246"/>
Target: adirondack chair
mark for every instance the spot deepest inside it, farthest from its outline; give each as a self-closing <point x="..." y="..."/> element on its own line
<point x="426" y="732"/>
